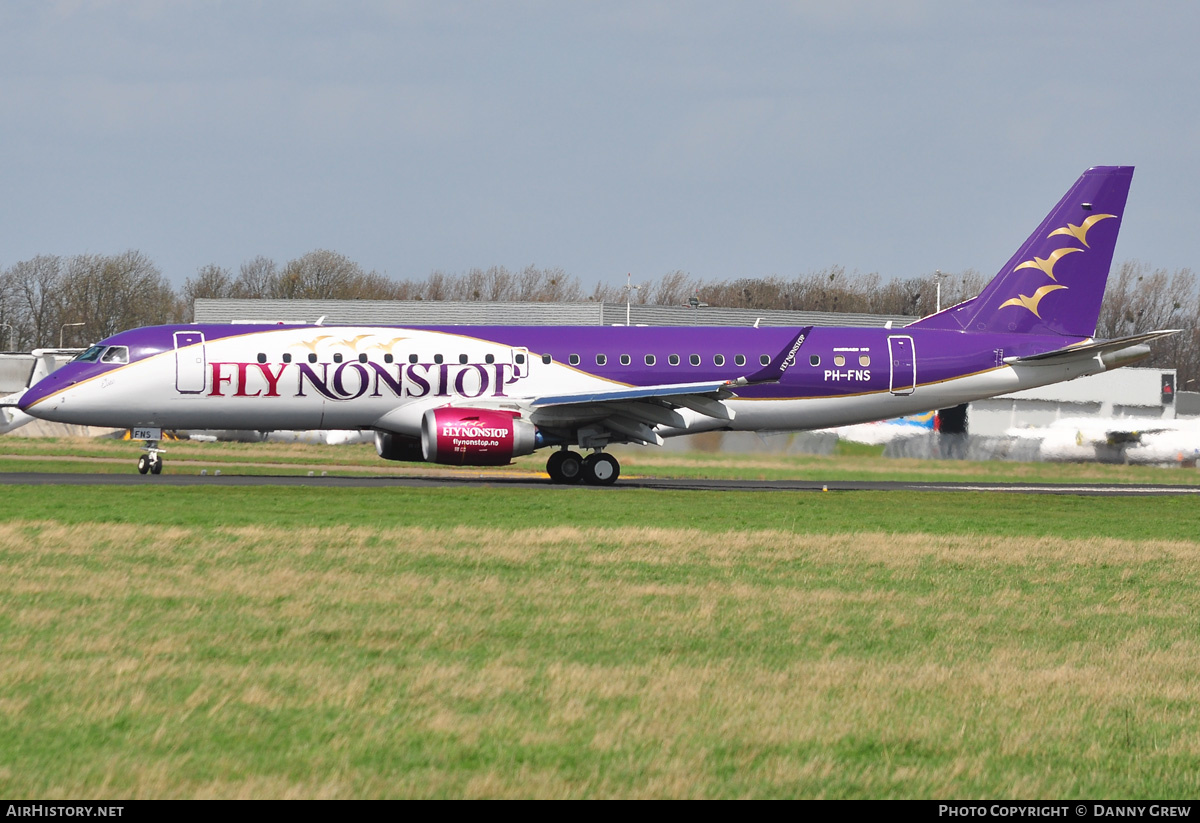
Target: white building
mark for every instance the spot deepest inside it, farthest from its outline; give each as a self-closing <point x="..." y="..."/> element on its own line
<point x="1127" y="392"/>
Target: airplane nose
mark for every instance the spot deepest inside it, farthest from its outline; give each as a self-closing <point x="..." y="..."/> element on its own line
<point x="38" y="392"/>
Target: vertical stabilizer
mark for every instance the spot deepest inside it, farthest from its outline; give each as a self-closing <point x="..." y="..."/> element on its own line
<point x="1055" y="282"/>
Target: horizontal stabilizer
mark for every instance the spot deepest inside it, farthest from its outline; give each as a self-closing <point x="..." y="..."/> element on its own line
<point x="1089" y="350"/>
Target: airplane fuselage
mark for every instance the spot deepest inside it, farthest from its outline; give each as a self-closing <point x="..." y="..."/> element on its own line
<point x="316" y="377"/>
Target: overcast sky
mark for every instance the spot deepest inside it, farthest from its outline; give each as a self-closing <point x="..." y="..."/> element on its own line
<point x="726" y="139"/>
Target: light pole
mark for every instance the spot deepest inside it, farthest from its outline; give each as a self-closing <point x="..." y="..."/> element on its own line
<point x="937" y="276"/>
<point x="629" y="290"/>
<point x="63" y="330"/>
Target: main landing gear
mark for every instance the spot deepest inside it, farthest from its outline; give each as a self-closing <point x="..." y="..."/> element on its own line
<point x="597" y="469"/>
<point x="151" y="462"/>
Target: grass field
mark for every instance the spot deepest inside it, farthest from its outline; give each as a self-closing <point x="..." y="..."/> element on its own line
<point x="574" y="642"/>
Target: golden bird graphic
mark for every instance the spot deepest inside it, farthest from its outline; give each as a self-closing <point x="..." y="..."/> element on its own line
<point x="1080" y="232"/>
<point x="311" y="345"/>
<point x="388" y="345"/>
<point x="352" y="343"/>
<point x="1031" y="302"/>
<point x="1046" y="264"/>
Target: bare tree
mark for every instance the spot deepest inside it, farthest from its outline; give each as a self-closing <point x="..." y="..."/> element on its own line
<point x="111" y="293"/>
<point x="672" y="289"/>
<point x="317" y="275"/>
<point x="35" y="286"/>
<point x="1140" y="299"/>
<point x="256" y="279"/>
<point x="211" y="282"/>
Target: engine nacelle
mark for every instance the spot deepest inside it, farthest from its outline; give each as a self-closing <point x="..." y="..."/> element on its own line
<point x="475" y="437"/>
<point x="392" y="446"/>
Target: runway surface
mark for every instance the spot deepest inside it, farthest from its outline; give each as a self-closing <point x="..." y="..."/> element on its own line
<point x="467" y="480"/>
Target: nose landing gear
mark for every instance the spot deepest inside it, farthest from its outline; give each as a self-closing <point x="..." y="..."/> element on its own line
<point x="151" y="462"/>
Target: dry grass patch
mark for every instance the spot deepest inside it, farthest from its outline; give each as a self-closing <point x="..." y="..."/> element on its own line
<point x="564" y="662"/>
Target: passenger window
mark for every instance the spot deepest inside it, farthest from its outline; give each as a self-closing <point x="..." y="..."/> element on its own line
<point x="312" y="358"/>
<point x="650" y="360"/>
<point x="718" y="360"/>
<point x="387" y="358"/>
<point x="412" y="358"/>
<point x="287" y="357"/>
<point x="547" y="359"/>
<point x="337" y="357"/>
<point x="262" y="358"/>
<point x="739" y="360"/>
<point x="694" y="359"/>
<point x="765" y="359"/>
<point x="601" y="359"/>
<point x="362" y="358"/>
<point x="814" y="360"/>
<point x="462" y="359"/>
<point x="573" y="359"/>
<point x="520" y="359"/>
<point x="673" y="359"/>
<point x="864" y="360"/>
<point x="625" y="361"/>
<point x="489" y="358"/>
<point x="437" y="358"/>
<point x="839" y="360"/>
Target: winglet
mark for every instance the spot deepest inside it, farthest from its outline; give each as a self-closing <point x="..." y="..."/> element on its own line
<point x="773" y="371"/>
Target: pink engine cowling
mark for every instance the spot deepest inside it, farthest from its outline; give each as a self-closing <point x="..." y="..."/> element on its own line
<point x="475" y="437"/>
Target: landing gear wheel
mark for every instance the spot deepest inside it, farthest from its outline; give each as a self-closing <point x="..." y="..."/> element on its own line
<point x="156" y="464"/>
<point x="601" y="469"/>
<point x="565" y="467"/>
<point x="144" y="464"/>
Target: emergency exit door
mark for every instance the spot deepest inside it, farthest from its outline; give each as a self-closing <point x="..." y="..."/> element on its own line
<point x="189" y="362"/>
<point x="904" y="364"/>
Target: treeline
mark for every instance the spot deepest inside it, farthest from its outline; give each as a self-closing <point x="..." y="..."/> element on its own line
<point x="87" y="297"/>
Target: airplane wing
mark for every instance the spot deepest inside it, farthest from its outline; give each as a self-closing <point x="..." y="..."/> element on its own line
<point x="12" y="417"/>
<point x="633" y="412"/>
<point x="614" y="412"/>
<point x="44" y="362"/>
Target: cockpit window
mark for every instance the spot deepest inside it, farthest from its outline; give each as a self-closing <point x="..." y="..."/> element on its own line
<point x="115" y="354"/>
<point x="90" y="356"/>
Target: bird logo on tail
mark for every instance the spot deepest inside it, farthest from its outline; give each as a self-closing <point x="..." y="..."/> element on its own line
<point x="1030" y="302"/>
<point x="1080" y="232"/>
<point x="1046" y="264"/>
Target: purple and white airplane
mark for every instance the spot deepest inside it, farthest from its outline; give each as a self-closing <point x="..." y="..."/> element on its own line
<point x="481" y="395"/>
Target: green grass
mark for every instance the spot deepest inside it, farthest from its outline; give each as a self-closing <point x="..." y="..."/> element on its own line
<point x="933" y="513"/>
<point x="848" y="448"/>
<point x="539" y="641"/>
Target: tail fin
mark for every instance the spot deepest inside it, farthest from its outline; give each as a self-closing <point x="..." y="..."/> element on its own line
<point x="1055" y="282"/>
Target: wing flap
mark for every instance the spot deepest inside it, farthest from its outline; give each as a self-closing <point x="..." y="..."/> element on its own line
<point x="718" y="388"/>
